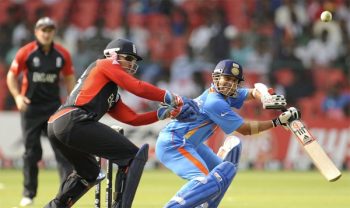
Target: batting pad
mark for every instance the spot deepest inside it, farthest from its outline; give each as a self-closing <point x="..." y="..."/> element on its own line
<point x="234" y="152"/>
<point x="207" y="188"/>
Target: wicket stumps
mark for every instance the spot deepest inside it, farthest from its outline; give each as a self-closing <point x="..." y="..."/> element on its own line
<point x="109" y="174"/>
<point x="98" y="189"/>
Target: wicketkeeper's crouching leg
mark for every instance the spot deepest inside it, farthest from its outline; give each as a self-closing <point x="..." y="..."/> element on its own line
<point x="128" y="178"/>
<point x="72" y="189"/>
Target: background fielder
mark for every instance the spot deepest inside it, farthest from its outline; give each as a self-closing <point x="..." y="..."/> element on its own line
<point x="40" y="63"/>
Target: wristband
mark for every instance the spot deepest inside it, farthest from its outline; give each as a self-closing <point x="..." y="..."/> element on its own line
<point x="276" y="122"/>
<point x="254" y="127"/>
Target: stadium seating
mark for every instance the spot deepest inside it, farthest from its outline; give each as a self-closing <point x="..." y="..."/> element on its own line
<point x="163" y="45"/>
<point x="327" y="77"/>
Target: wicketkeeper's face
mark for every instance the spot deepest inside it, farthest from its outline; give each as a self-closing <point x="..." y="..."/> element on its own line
<point x="128" y="63"/>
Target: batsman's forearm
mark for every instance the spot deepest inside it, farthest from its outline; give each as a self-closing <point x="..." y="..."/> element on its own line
<point x="265" y="125"/>
<point x="254" y="127"/>
<point x="258" y="126"/>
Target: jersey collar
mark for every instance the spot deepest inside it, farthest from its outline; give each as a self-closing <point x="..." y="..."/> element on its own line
<point x="41" y="46"/>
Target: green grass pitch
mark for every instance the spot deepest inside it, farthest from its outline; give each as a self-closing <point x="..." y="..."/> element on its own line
<point x="250" y="189"/>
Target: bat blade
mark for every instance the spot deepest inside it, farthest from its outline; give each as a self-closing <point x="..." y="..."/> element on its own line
<point x="315" y="151"/>
<point x="311" y="146"/>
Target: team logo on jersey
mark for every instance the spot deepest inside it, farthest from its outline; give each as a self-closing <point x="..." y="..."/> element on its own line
<point x="235" y="71"/>
<point x="58" y="62"/>
<point x="36" y="61"/>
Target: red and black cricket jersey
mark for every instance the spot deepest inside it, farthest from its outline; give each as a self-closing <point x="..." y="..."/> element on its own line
<point x="97" y="90"/>
<point x="40" y="81"/>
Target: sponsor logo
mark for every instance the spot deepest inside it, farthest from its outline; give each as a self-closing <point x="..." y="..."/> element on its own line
<point x="44" y="77"/>
<point x="217" y="176"/>
<point x="218" y="70"/>
<point x="113" y="98"/>
<point x="224" y="114"/>
<point x="307" y="139"/>
<point x="110" y="100"/>
<point x="133" y="48"/>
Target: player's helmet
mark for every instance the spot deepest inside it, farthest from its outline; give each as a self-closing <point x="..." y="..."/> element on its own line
<point x="45" y="22"/>
<point x="123" y="48"/>
<point x="228" y="69"/>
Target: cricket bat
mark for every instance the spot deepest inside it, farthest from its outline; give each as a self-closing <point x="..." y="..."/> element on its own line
<point x="318" y="156"/>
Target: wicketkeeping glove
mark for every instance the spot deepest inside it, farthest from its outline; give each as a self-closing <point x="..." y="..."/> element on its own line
<point x="284" y="118"/>
<point x="183" y="114"/>
<point x="163" y="111"/>
<point x="178" y="101"/>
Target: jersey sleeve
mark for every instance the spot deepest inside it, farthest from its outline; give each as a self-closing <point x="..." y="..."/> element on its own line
<point x="18" y="64"/>
<point x="221" y="113"/>
<point x="137" y="87"/>
<point x="68" y="68"/>
<point x="123" y="113"/>
<point x="237" y="102"/>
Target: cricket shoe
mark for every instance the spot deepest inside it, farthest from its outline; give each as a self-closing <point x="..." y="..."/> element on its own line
<point x="26" y="201"/>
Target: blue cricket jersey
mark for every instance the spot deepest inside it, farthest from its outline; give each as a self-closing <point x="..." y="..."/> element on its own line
<point x="215" y="111"/>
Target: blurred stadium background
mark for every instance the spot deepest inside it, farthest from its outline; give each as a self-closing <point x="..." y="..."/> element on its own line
<point x="279" y="42"/>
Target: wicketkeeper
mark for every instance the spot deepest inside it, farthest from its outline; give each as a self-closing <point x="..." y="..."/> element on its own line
<point x="75" y="131"/>
<point x="180" y="146"/>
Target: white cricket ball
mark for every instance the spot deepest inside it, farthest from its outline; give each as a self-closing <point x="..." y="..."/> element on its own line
<point x="326" y="16"/>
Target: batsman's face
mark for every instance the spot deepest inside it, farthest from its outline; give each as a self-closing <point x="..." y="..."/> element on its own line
<point x="45" y="35"/>
<point x="228" y="85"/>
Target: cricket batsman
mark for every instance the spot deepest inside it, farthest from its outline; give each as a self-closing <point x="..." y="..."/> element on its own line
<point x="180" y="146"/>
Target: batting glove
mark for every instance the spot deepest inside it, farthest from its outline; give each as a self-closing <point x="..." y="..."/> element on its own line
<point x="273" y="102"/>
<point x="284" y="118"/>
<point x="186" y="113"/>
